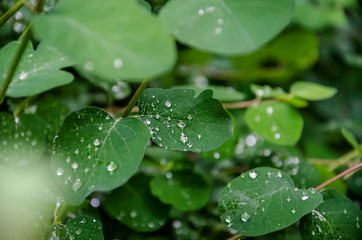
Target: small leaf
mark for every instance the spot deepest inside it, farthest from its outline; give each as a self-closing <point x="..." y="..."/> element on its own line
<point x="180" y="121"/>
<point x="140" y="210"/>
<point x="266" y="91"/>
<point x="264" y="200"/>
<point x="37" y="72"/>
<point x="277" y="122"/>
<point x="312" y="91"/>
<point x="109" y="38"/>
<point x="226" y="27"/>
<point x="184" y="190"/>
<point x="95" y="152"/>
<point x="22" y="140"/>
<point x="336" y="218"/>
<point x="348" y="135"/>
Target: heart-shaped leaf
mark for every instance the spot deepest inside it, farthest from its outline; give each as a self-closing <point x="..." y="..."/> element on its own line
<point x="312" y="91"/>
<point x="336" y="218"/>
<point x="22" y="139"/>
<point x="140" y="210"/>
<point x="226" y="26"/>
<point x="180" y="121"/>
<point x="184" y="190"/>
<point x="277" y="122"/>
<point x="80" y="228"/>
<point x="37" y="72"/>
<point x="95" y="152"/>
<point x="264" y="200"/>
<point x="110" y="38"/>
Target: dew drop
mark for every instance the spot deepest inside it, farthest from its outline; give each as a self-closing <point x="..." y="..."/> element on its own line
<point x="75" y="166"/>
<point x="220" y="21"/>
<point x="189" y="117"/>
<point x="253" y="174"/>
<point x="96" y="142"/>
<point x="89" y="66"/>
<point x="77" y="185"/>
<point x="169" y="175"/>
<point x="277" y="136"/>
<point x="100" y="128"/>
<point x="289" y="199"/>
<point x="293" y="211"/>
<point x="189" y="144"/>
<point x="133" y="214"/>
<point x="183" y="138"/>
<point x="304" y="197"/>
<point x="67" y="160"/>
<point x="201" y="12"/>
<point x="111" y="166"/>
<point x="76" y="152"/>
<point x="181" y="124"/>
<point x="117" y="63"/>
<point x="216" y="155"/>
<point x="60" y="171"/>
<point x="23" y="76"/>
<point x="218" y="30"/>
<point x="157" y="116"/>
<point x="279" y="174"/>
<point x="148" y="122"/>
<point x="245" y="216"/>
<point x="270" y="110"/>
<point x="199" y="136"/>
<point x="83" y="221"/>
<point x="168" y="104"/>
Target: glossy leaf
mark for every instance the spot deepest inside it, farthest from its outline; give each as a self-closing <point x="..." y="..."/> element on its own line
<point x="37" y="72"/>
<point x="184" y="190"/>
<point x="226" y="27"/>
<point x="180" y="121"/>
<point x="277" y="122"/>
<point x="22" y="140"/>
<point x="348" y="135"/>
<point x="336" y="218"/>
<point x="140" y="210"/>
<point x="111" y="39"/>
<point x="264" y="200"/>
<point x="92" y="151"/>
<point x="312" y="91"/>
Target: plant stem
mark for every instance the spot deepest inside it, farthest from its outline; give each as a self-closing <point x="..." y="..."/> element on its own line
<point x="9" y="13"/>
<point x="339" y="176"/>
<point x="235" y="237"/>
<point x="24" y="104"/>
<point x="242" y="104"/>
<point x="14" y="64"/>
<point x="39" y="5"/>
<point x="59" y="215"/>
<point x="135" y="97"/>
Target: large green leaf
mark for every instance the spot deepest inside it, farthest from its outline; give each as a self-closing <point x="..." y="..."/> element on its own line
<point x="92" y="151"/>
<point x="37" y="72"/>
<point x="277" y="122"/>
<point x="226" y="26"/>
<point x="110" y="38"/>
<point x="180" y="121"/>
<point x="184" y="190"/>
<point x="22" y="139"/>
<point x="140" y="210"/>
<point x="312" y="91"/>
<point x="264" y="200"/>
<point x="336" y="218"/>
<point x="80" y="228"/>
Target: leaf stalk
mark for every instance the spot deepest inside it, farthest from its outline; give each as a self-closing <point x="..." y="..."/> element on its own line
<point x="135" y="97"/>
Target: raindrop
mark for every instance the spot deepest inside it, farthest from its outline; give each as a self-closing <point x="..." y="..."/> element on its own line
<point x="86" y="170"/>
<point x="111" y="166"/>
<point x="60" y="171"/>
<point x="181" y="124"/>
<point x="293" y="211"/>
<point x="253" y="174"/>
<point x="89" y="66"/>
<point x="96" y="142"/>
<point x="289" y="199"/>
<point x="218" y="30"/>
<point x="82" y="139"/>
<point x="168" y="104"/>
<point x="279" y="174"/>
<point x="151" y="225"/>
<point x="118" y="63"/>
<point x="183" y="138"/>
<point x="95" y="202"/>
<point x="220" y="21"/>
<point x="201" y="12"/>
<point x="83" y="221"/>
<point x="100" y="128"/>
<point x="148" y="122"/>
<point x="79" y="231"/>
<point x="77" y="185"/>
<point x="277" y="136"/>
<point x="250" y="140"/>
<point x="108" y="117"/>
<point x="169" y="175"/>
<point x="228" y="185"/>
<point x="75" y="166"/>
<point x="67" y="160"/>
<point x="344" y="211"/>
<point x="76" y="152"/>
<point x="270" y="110"/>
<point x="133" y="214"/>
<point x="189" y="117"/>
<point x="157" y="116"/>
<point x="245" y="216"/>
<point x="263" y="209"/>
<point x="189" y="144"/>
<point x="304" y="197"/>
<point x="23" y="75"/>
<point x="199" y="136"/>
<point x="216" y="155"/>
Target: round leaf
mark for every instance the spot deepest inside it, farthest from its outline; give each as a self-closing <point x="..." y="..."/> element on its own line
<point x="226" y="27"/>
<point x="22" y="140"/>
<point x="277" y="122"/>
<point x="336" y="218"/>
<point x="184" y="190"/>
<point x="140" y="211"/>
<point x="312" y="91"/>
<point x="180" y="121"/>
<point x="37" y="72"/>
<point x="110" y="38"/>
<point x="95" y="152"/>
<point x="264" y="200"/>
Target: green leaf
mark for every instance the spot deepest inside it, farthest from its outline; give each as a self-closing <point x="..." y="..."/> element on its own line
<point x="109" y="38"/>
<point x="226" y="27"/>
<point x="184" y="190"/>
<point x="53" y="112"/>
<point x="264" y="200"/>
<point x="180" y="121"/>
<point x="336" y="218"/>
<point x="221" y="93"/>
<point x="348" y="135"/>
<point x="80" y="228"/>
<point x="312" y="91"/>
<point x="266" y="91"/>
<point x="140" y="210"/>
<point x="95" y="152"/>
<point x="277" y="122"/>
<point x="22" y="140"/>
<point x="37" y="72"/>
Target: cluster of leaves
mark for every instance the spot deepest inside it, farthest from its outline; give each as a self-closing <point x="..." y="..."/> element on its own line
<point x="189" y="155"/>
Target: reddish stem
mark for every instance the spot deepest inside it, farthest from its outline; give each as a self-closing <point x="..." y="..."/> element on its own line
<point x="339" y="176"/>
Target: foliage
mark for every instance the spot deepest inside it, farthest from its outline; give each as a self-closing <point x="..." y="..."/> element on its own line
<point x="253" y="110"/>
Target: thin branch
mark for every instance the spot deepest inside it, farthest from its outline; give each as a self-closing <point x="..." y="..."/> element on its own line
<point x="9" y="13"/>
<point x="14" y="64"/>
<point x="235" y="237"/>
<point x="339" y="176"/>
<point x="135" y="97"/>
<point x="24" y="105"/>
<point x="242" y="104"/>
